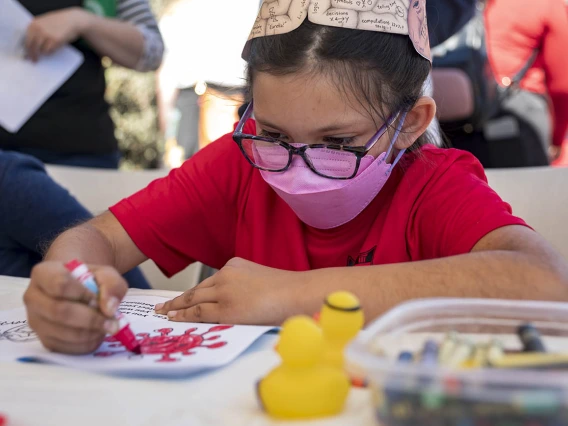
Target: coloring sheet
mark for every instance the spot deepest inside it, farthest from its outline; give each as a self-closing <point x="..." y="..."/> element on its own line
<point x="16" y="338"/>
<point x="168" y="348"/>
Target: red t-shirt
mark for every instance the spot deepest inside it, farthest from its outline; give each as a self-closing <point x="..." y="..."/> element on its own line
<point x="217" y="206"/>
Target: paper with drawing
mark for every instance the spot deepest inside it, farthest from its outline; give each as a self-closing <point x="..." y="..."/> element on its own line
<point x="25" y="86"/>
<point x="16" y="338"/>
<point x="167" y="347"/>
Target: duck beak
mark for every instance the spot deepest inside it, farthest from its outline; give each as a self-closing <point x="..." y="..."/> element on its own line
<point x="316" y="317"/>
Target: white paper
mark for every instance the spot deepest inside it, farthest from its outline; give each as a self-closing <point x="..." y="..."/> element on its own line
<point x="137" y="307"/>
<point x="24" y="85"/>
<point x="168" y="348"/>
<point x="16" y="338"/>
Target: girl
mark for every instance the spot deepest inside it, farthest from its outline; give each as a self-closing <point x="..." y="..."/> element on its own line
<point x="332" y="186"/>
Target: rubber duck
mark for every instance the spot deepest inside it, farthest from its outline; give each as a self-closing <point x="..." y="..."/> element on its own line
<point x="340" y="319"/>
<point x="302" y="387"/>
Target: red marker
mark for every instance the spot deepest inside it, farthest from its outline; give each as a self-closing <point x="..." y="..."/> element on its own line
<point x="81" y="273"/>
<point x="3" y="420"/>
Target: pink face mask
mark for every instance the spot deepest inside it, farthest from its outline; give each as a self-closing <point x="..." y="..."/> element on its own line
<point x="328" y="203"/>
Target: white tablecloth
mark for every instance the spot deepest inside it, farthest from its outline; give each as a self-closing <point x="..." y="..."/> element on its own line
<point x="43" y="395"/>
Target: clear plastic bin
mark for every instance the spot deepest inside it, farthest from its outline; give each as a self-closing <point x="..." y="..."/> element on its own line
<point x="418" y="395"/>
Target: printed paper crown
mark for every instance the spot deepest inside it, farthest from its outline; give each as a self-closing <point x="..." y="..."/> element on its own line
<point x="406" y="17"/>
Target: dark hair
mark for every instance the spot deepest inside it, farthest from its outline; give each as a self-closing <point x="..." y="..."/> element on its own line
<point x="382" y="70"/>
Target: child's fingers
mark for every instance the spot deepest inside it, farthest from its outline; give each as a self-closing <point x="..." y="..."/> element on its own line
<point x="112" y="287"/>
<point x="204" y="312"/>
<point x="64" y="313"/>
<point x="191" y="297"/>
<point x="54" y="280"/>
<point x="56" y="344"/>
<point x="71" y="335"/>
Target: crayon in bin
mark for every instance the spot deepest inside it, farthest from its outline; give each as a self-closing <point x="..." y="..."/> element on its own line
<point x="478" y="359"/>
<point x="405" y="357"/>
<point x="398" y="396"/>
<point x="462" y="351"/>
<point x="430" y="352"/>
<point x="532" y="360"/>
<point x="494" y="351"/>
<point x="448" y="346"/>
<point x="531" y="339"/>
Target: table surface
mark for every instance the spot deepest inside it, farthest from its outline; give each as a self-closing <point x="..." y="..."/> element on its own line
<point x="40" y="394"/>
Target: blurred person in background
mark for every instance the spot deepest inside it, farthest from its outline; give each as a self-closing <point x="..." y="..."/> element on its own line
<point x="73" y="127"/>
<point x="201" y="80"/>
<point x="33" y="211"/>
<point x="516" y="29"/>
<point x="531" y="122"/>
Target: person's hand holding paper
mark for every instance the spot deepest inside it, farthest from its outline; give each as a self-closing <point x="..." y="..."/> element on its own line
<point x="48" y="32"/>
<point x="25" y="86"/>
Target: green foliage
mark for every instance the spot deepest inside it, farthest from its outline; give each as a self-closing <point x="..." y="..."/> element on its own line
<point x="132" y="97"/>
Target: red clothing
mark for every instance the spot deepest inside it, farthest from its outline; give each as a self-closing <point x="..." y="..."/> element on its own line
<point x="217" y="206"/>
<point x="515" y="29"/>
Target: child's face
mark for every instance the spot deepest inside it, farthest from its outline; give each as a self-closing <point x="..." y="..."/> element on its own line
<point x="309" y="110"/>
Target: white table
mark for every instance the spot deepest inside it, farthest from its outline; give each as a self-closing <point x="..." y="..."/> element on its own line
<point x="44" y="395"/>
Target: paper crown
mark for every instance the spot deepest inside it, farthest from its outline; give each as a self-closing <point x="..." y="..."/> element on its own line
<point x="406" y="17"/>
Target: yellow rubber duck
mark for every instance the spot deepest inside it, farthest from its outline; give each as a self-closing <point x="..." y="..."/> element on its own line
<point x="302" y="387"/>
<point x="340" y="319"/>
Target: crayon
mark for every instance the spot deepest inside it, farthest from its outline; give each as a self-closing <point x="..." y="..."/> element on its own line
<point x="407" y="384"/>
<point x="478" y="358"/>
<point x="433" y="397"/>
<point x="531" y="360"/>
<point x="461" y="353"/>
<point x="399" y="390"/>
<point x="429" y="355"/>
<point x="494" y="351"/>
<point x="405" y="357"/>
<point x="402" y="410"/>
<point x="530" y="337"/>
<point x="359" y="382"/>
<point x="124" y="335"/>
<point x="447" y="347"/>
<point x="480" y="355"/>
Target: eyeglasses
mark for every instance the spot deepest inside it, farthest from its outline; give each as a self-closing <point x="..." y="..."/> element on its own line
<point x="274" y="155"/>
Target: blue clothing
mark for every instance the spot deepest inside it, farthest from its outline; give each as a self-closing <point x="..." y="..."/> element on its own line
<point x="99" y="161"/>
<point x="447" y="17"/>
<point x="33" y="211"/>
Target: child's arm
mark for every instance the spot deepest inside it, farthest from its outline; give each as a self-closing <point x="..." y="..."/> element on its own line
<point x="100" y="241"/>
<point x="511" y="262"/>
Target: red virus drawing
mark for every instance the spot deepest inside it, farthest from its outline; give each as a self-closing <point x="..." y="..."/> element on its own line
<point x="167" y="344"/>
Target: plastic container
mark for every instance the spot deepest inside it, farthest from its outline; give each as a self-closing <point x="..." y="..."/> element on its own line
<point x="419" y="395"/>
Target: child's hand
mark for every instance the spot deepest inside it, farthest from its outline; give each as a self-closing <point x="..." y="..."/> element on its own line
<point x="60" y="309"/>
<point x="242" y="292"/>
